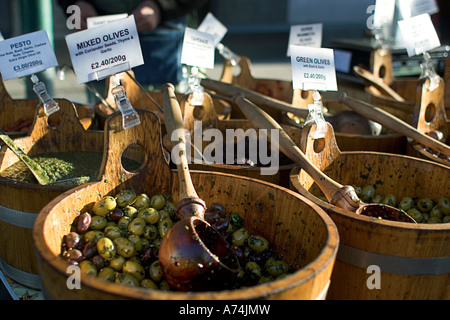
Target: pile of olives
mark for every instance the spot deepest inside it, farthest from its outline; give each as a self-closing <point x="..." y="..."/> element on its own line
<point x="118" y="240"/>
<point x="422" y="210"/>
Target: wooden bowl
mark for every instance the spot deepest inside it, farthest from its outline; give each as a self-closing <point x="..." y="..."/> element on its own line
<point x="20" y="202"/>
<point x="410" y="260"/>
<point x="291" y="223"/>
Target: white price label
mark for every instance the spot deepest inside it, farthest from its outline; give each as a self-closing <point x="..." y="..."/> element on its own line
<point x="384" y="13"/>
<point x="26" y="54"/>
<point x="412" y="8"/>
<point x="309" y="35"/>
<point x="213" y="26"/>
<point x="313" y="68"/>
<point x="419" y="34"/>
<point x="198" y="49"/>
<point x="93" y="22"/>
<point x="105" y="50"/>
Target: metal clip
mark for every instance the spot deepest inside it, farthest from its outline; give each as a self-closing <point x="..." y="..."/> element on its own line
<point x="429" y="72"/>
<point x="316" y="115"/>
<point x="130" y="118"/>
<point x="50" y="106"/>
<point x="228" y="54"/>
<point x="195" y="88"/>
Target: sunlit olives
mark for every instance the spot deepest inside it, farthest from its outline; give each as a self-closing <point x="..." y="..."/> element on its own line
<point x="157" y="201"/>
<point x="258" y="243"/>
<point x="149" y="215"/>
<point x="406" y="203"/>
<point x="142" y="201"/>
<point x="104" y="206"/>
<point x="88" y="267"/>
<point x="125" y="198"/>
<point x="106" y="248"/>
<point x="425" y="204"/>
<point x="239" y="237"/>
<point x="367" y="193"/>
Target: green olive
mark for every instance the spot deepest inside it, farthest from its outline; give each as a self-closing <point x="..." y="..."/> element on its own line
<point x="148" y="284"/>
<point x="106" y="248"/>
<point x="264" y="279"/>
<point x="150" y="215"/>
<point x="415" y="214"/>
<point x="164" y="226"/>
<point x="433" y="220"/>
<point x="253" y="270"/>
<point x="117" y="262"/>
<point x="367" y="193"/>
<point x="425" y="216"/>
<point x="164" y="286"/>
<point x="276" y="267"/>
<point x="113" y="232"/>
<point x="155" y="271"/>
<point x="134" y="268"/>
<point x="240" y="236"/>
<point x="163" y="215"/>
<point x="406" y="203"/>
<point x="142" y="201"/>
<point x="170" y="209"/>
<point x="136" y="226"/>
<point x="124" y="247"/>
<point x="123" y="223"/>
<point x="130" y="212"/>
<point x="444" y="205"/>
<point x="358" y="190"/>
<point x="435" y="212"/>
<point x="125" y="198"/>
<point x="127" y="279"/>
<point x="258" y="243"/>
<point x="106" y="273"/>
<point x="88" y="267"/>
<point x="93" y="236"/>
<point x="104" y="206"/>
<point x="136" y="240"/>
<point x="378" y="198"/>
<point x="157" y="201"/>
<point x="98" y="223"/>
<point x="446" y="219"/>
<point x="145" y="242"/>
<point x="390" y="200"/>
<point x="425" y="204"/>
<point x="150" y="232"/>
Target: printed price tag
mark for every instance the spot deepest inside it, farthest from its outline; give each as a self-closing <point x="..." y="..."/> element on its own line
<point x="213" y="26"/>
<point x="313" y="68"/>
<point x="384" y="13"/>
<point x="26" y="54"/>
<point x="309" y="35"/>
<point x="93" y="22"/>
<point x="198" y="49"/>
<point x="103" y="51"/>
<point x="412" y="8"/>
<point x="419" y="34"/>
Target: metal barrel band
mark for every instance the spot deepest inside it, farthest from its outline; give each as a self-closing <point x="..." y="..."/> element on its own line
<point x="27" y="279"/>
<point x="394" y="264"/>
<point x="17" y="218"/>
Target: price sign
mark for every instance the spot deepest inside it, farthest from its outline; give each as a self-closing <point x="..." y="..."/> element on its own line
<point x="384" y="13"/>
<point x="412" y="8"/>
<point x="198" y="49"/>
<point x="309" y="35"/>
<point x="313" y="68"/>
<point x="213" y="26"/>
<point x="26" y="54"/>
<point x="419" y="34"/>
<point x="105" y="50"/>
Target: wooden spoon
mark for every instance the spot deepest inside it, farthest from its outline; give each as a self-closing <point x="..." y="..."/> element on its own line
<point x="35" y="168"/>
<point x="391" y="122"/>
<point x="341" y="122"/>
<point x="193" y="255"/>
<point x="339" y="195"/>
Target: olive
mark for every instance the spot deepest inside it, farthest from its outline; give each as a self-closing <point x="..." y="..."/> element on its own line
<point x="148" y="254"/>
<point x="89" y="249"/>
<point x="106" y="248"/>
<point x="124" y="247"/>
<point x="164" y="226"/>
<point x="136" y="226"/>
<point x="98" y="223"/>
<point x="83" y="222"/>
<point x="116" y="214"/>
<point x="170" y="209"/>
<point x="149" y="215"/>
<point x="218" y="208"/>
<point x="93" y="236"/>
<point x="433" y="220"/>
<point x="136" y="240"/>
<point x="127" y="280"/>
<point x="145" y="243"/>
<point x="446" y="219"/>
<point x="130" y="212"/>
<point x="253" y="270"/>
<point x="358" y="190"/>
<point x="378" y="198"/>
<point x="367" y="193"/>
<point x="164" y="285"/>
<point x="112" y="232"/>
<point x="425" y="204"/>
<point x="406" y="203"/>
<point x="106" y="273"/>
<point x="275" y="267"/>
<point x="150" y="232"/>
<point x="155" y="272"/>
<point x="258" y="243"/>
<point x="435" y="212"/>
<point x="72" y="239"/>
<point x="157" y="201"/>
<point x="211" y="216"/>
<point x="74" y="254"/>
<point x="425" y="216"/>
<point x="117" y="262"/>
<point x="88" y="267"/>
<point x="240" y="236"/>
<point x="390" y="200"/>
<point x="104" y="206"/>
<point x="148" y="284"/>
<point x="264" y="279"/>
<point x="221" y="225"/>
<point x="98" y="261"/>
<point x="124" y="222"/>
<point x="163" y="215"/>
<point x="134" y="268"/>
<point x="444" y="205"/>
<point x="415" y="214"/>
<point x="142" y="201"/>
<point x="125" y="198"/>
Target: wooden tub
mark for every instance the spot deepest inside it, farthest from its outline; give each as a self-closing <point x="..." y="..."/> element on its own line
<point x="291" y="223"/>
<point x="380" y="259"/>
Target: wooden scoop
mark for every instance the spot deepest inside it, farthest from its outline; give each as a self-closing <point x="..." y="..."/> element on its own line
<point x="338" y="195"/>
<point x="193" y="255"/>
<point x="391" y="122"/>
<point x="341" y="122"/>
<point x="39" y="173"/>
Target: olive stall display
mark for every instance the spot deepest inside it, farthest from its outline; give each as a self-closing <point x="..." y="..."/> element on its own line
<point x="118" y="241"/>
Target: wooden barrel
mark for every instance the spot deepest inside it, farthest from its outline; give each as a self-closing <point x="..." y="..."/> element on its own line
<point x="17" y="115"/>
<point x="380" y="259"/>
<point x="20" y="202"/>
<point x="290" y="223"/>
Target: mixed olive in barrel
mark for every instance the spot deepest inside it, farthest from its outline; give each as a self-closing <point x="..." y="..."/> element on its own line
<point x="118" y="240"/>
